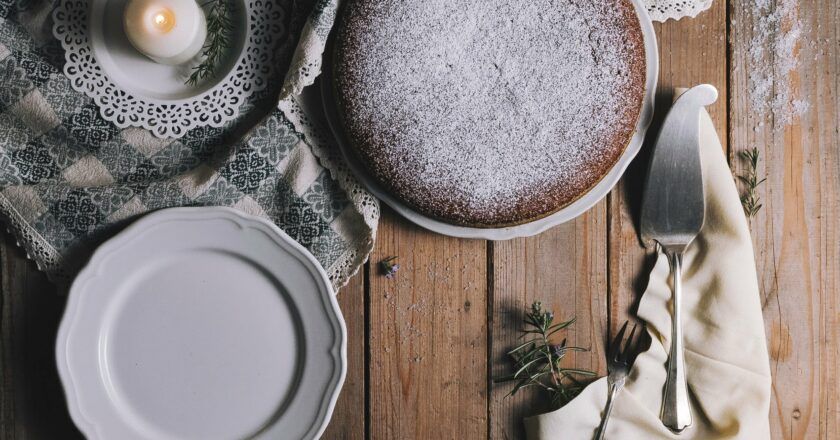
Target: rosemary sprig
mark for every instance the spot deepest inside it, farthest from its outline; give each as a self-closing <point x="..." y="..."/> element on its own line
<point x="220" y="29"/>
<point x="749" y="199"/>
<point x="537" y="360"/>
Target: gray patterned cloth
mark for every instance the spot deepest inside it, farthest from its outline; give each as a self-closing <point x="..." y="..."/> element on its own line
<point x="69" y="179"/>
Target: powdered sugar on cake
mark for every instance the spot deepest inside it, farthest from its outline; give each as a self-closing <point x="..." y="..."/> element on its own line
<point x="489" y="112"/>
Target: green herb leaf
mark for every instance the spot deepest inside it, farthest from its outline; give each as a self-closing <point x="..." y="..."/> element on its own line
<point x="537" y="360"/>
<point x="749" y="199"/>
<point x="220" y="29"/>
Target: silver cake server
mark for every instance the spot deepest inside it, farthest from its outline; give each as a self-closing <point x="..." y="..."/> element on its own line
<point x="673" y="210"/>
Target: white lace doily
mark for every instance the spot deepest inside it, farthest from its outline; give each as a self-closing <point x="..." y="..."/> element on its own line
<point x="662" y="10"/>
<point x="214" y="107"/>
<point x="318" y="137"/>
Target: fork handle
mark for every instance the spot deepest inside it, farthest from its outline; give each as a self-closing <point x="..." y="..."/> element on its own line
<point x="676" y="411"/>
<point x="602" y="429"/>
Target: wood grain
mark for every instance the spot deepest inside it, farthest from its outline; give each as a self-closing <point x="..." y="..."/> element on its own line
<point x="348" y="420"/>
<point x="566" y="269"/>
<point x="428" y="336"/>
<point x="32" y="401"/>
<point x="691" y="52"/>
<point x="796" y="235"/>
<point x="422" y="347"/>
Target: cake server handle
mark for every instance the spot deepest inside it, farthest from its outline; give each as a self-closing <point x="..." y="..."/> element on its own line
<point x="676" y="409"/>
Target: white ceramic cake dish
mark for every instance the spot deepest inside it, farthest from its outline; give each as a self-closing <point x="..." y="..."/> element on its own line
<point x="569" y="212"/>
<point x="201" y="323"/>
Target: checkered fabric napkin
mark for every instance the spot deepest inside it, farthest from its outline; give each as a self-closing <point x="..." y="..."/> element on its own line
<point x="69" y="179"/>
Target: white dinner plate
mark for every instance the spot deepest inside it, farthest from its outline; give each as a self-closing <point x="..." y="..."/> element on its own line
<point x="569" y="212"/>
<point x="201" y="323"/>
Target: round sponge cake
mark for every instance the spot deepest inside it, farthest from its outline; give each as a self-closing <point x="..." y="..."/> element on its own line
<point x="488" y="113"/>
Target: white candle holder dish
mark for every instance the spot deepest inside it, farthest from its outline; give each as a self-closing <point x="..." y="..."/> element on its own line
<point x="131" y="90"/>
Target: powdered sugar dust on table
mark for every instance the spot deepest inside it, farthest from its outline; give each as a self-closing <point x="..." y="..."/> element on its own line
<point x="423" y="346"/>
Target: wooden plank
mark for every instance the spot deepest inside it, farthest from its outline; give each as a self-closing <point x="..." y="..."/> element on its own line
<point x="348" y="420"/>
<point x="691" y="51"/>
<point x="428" y="336"/>
<point x="565" y="268"/>
<point x="31" y="396"/>
<point x="796" y="233"/>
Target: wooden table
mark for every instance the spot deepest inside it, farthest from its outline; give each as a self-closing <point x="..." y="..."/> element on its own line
<point x="424" y="346"/>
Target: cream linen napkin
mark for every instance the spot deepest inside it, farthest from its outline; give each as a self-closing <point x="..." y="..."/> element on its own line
<point x="726" y="354"/>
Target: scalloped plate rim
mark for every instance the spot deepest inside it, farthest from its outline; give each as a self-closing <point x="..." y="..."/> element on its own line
<point x="87" y="424"/>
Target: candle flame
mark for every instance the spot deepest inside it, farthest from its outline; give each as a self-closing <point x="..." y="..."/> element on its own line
<point x="164" y="20"/>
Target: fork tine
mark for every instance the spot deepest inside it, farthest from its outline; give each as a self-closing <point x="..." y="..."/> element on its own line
<point x="615" y="347"/>
<point x="642" y="339"/>
<point x="619" y="357"/>
<point x="629" y="345"/>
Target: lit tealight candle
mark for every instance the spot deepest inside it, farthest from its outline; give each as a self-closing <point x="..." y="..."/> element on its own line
<point x="167" y="31"/>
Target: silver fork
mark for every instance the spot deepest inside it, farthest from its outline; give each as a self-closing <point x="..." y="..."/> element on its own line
<point x="619" y="361"/>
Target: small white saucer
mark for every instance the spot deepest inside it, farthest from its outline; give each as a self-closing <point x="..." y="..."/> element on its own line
<point x="139" y="75"/>
<point x="201" y="323"/>
<point x="131" y="90"/>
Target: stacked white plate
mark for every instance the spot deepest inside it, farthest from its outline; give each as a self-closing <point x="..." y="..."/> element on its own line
<point x="201" y="323"/>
